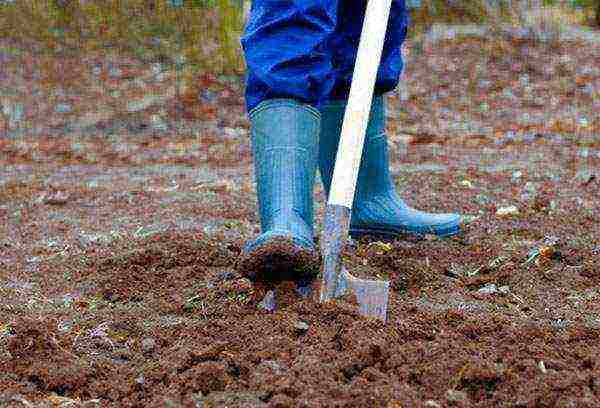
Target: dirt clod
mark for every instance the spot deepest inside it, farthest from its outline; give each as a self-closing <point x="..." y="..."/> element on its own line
<point x="279" y="259"/>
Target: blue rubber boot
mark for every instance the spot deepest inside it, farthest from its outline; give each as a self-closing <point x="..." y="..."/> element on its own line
<point x="377" y="208"/>
<point x="285" y="137"/>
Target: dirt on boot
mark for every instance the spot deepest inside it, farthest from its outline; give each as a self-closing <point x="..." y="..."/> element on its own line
<point x="279" y="259"/>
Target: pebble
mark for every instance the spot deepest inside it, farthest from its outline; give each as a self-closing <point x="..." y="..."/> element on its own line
<point x="517" y="175"/>
<point x="456" y="396"/>
<point x="276" y="367"/>
<point x="432" y="404"/>
<point x="148" y="344"/>
<point x="14" y="112"/>
<point x="115" y="73"/>
<point x="156" y="68"/>
<point x="93" y="403"/>
<point x="158" y="123"/>
<point x="301" y="326"/>
<point x="510" y="210"/>
<point x="207" y="96"/>
<point x="225" y="276"/>
<point x="488" y="289"/>
<point x="65" y="326"/>
<point x="303" y="291"/>
<point x="268" y="302"/>
<point x="484" y="83"/>
<point x="233" y="133"/>
<point x="56" y="198"/>
<point x="63" y="108"/>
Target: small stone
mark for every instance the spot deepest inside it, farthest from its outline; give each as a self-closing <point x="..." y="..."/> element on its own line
<point x="63" y="108"/>
<point x="226" y="276"/>
<point x="115" y="72"/>
<point x="56" y="198"/>
<point x="93" y="403"/>
<point x="301" y="327"/>
<point x="158" y="123"/>
<point x="542" y="367"/>
<point x="148" y="344"/>
<point x="488" y="289"/>
<point x="456" y="396"/>
<point x="274" y="366"/>
<point x="156" y="68"/>
<point x="303" y="291"/>
<point x="432" y="404"/>
<point x="510" y="210"/>
<point x="65" y="326"/>
<point x="596" y="384"/>
<point x="505" y="290"/>
<point x="268" y="302"/>
<point x="207" y="96"/>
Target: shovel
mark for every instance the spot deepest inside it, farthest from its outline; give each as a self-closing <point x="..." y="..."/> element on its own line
<point x="372" y="295"/>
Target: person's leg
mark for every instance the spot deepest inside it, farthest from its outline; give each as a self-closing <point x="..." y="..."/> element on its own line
<point x="289" y="75"/>
<point x="377" y="208"/>
<point x="286" y="52"/>
<point x="344" y="46"/>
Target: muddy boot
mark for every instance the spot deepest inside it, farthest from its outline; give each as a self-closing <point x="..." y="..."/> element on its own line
<point x="285" y="146"/>
<point x="377" y="208"/>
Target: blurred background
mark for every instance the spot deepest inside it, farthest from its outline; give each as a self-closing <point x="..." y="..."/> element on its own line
<point x="101" y="60"/>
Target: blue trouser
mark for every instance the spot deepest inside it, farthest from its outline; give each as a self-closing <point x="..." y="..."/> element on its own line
<point x="306" y="49"/>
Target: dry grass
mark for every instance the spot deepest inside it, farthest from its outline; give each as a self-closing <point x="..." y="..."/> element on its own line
<point x="206" y="32"/>
<point x="206" y="35"/>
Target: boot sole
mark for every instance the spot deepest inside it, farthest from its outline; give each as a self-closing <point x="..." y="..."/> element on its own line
<point x="391" y="233"/>
<point x="280" y="258"/>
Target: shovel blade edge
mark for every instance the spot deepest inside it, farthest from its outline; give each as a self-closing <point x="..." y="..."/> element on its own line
<point x="372" y="295"/>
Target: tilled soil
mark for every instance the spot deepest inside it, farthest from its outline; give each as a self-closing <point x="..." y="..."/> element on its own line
<point x="119" y="284"/>
<point x="164" y="318"/>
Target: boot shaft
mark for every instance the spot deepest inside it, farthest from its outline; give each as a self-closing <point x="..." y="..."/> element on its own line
<point x="373" y="176"/>
<point x="285" y="147"/>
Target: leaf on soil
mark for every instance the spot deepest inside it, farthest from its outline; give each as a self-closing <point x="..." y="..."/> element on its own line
<point x="466" y="183"/>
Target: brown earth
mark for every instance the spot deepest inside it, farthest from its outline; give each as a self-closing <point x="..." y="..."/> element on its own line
<point x="118" y="282"/>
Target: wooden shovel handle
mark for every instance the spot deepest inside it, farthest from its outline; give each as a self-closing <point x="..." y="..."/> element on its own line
<point x="356" y="117"/>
